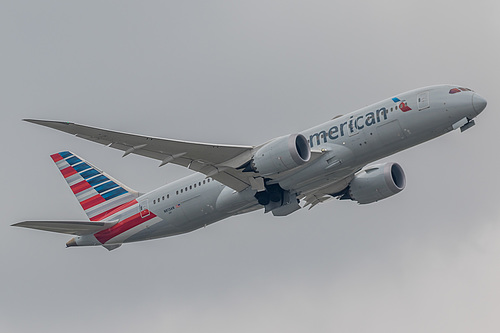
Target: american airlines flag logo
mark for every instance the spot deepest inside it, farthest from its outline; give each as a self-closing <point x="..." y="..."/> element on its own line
<point x="403" y="105"/>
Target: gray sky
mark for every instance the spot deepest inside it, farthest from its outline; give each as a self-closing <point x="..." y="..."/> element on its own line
<point x="236" y="72"/>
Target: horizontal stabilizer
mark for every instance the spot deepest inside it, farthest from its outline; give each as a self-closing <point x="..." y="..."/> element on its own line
<point x="67" y="227"/>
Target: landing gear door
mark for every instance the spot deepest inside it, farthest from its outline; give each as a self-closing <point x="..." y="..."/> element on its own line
<point x="423" y="100"/>
<point x="144" y="208"/>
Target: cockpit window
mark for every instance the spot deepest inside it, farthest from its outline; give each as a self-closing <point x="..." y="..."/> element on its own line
<point x="459" y="89"/>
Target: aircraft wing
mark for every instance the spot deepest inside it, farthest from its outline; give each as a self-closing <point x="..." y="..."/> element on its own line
<point x="217" y="161"/>
<point x="67" y="227"/>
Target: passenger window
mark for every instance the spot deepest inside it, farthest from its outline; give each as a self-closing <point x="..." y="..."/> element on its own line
<point x="154" y="202"/>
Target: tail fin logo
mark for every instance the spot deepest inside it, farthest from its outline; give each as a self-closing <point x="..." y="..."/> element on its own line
<point x="98" y="193"/>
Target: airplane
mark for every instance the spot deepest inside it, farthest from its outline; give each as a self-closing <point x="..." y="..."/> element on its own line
<point x="281" y="176"/>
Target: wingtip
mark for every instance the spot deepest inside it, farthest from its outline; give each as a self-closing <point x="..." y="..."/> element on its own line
<point x="46" y="122"/>
<point x="35" y="121"/>
<point x="19" y="224"/>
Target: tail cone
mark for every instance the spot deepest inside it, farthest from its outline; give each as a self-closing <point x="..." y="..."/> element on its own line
<point x="71" y="242"/>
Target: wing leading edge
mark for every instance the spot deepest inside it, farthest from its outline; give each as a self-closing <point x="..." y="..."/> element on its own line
<point x="217" y="161"/>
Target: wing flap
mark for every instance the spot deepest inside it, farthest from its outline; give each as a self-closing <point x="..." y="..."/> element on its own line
<point x="67" y="227"/>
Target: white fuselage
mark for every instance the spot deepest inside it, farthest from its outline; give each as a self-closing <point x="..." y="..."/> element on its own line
<point x="347" y="144"/>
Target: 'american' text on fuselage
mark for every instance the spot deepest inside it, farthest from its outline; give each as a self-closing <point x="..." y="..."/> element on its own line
<point x="353" y="125"/>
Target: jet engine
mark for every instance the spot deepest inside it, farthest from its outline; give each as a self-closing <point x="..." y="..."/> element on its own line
<point x="281" y="154"/>
<point x="376" y="182"/>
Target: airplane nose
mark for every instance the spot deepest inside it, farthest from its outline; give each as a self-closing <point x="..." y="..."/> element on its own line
<point x="478" y="103"/>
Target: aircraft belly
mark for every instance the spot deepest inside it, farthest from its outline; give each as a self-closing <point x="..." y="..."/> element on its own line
<point x="173" y="226"/>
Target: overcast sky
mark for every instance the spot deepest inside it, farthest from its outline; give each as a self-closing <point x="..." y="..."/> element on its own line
<point x="425" y="260"/>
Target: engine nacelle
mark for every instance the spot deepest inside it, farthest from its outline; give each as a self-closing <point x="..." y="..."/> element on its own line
<point x="377" y="182"/>
<point x="281" y="154"/>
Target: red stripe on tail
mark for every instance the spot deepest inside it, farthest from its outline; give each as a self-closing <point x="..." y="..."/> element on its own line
<point x="113" y="211"/>
<point x="122" y="226"/>
<point x="69" y="171"/>
<point x="91" y="202"/>
<point x="78" y="187"/>
<point x="56" y="158"/>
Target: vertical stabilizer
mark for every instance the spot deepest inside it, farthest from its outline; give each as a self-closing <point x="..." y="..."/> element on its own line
<point x="99" y="194"/>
